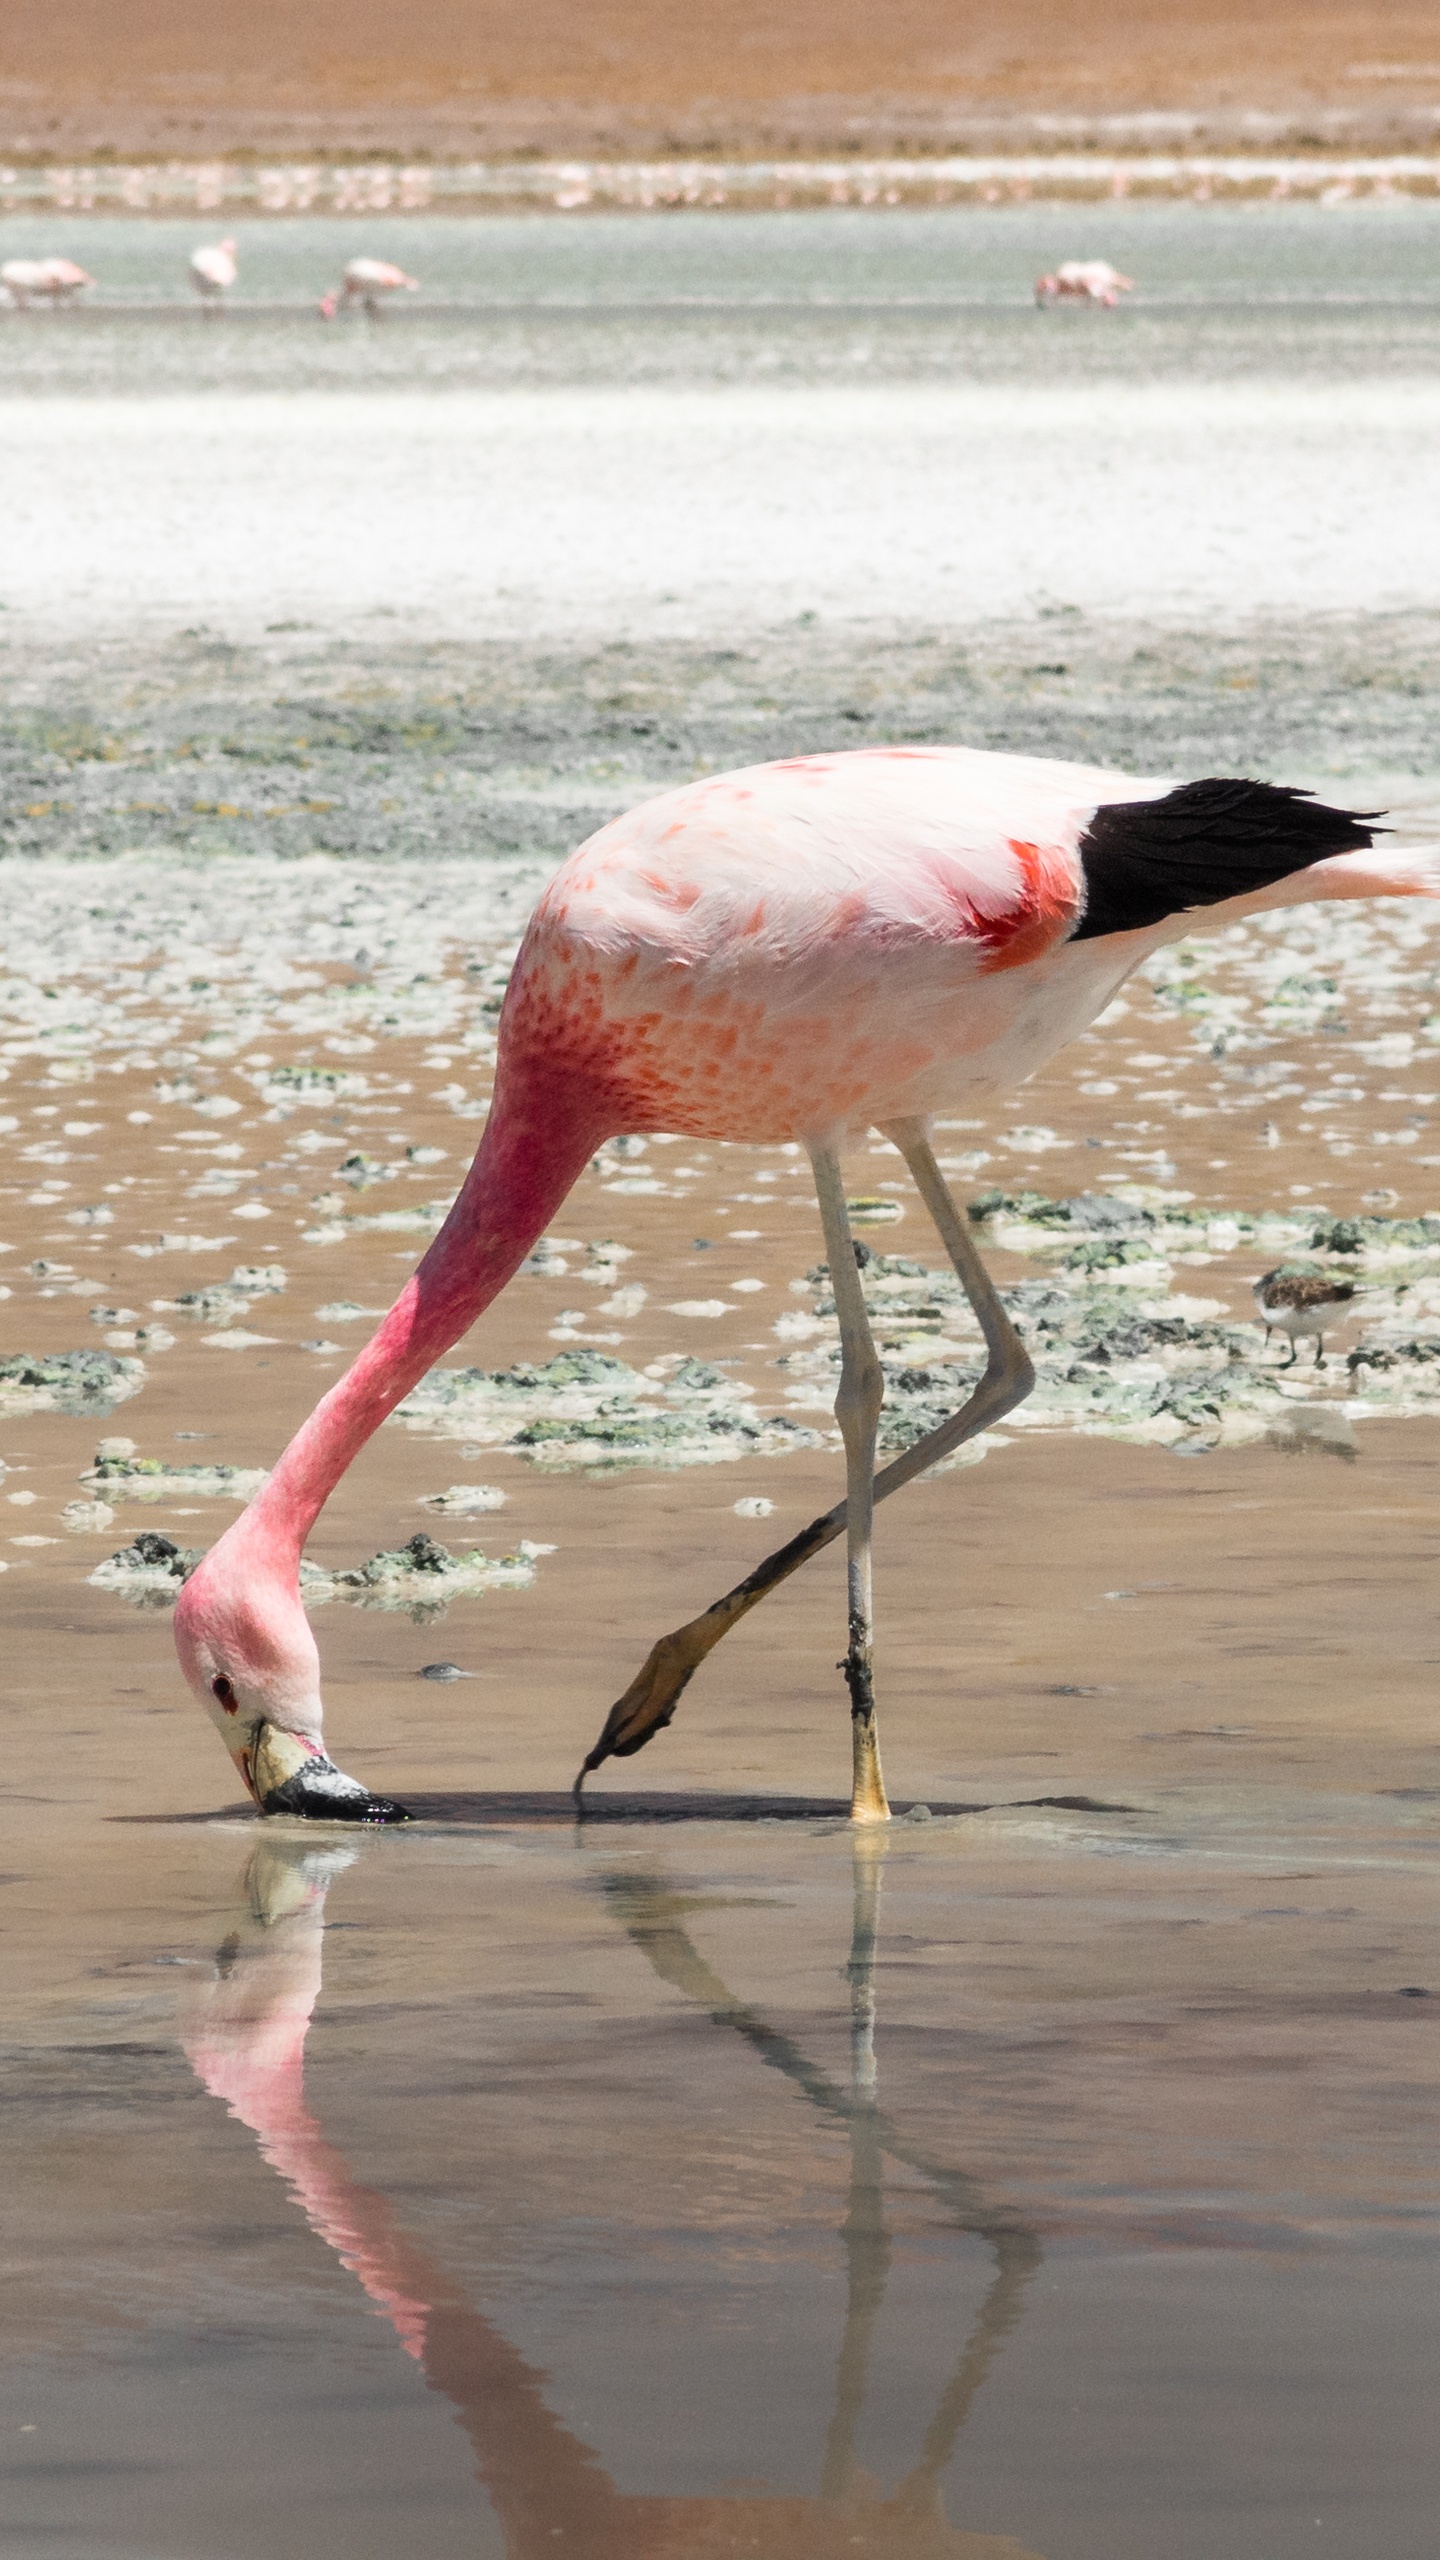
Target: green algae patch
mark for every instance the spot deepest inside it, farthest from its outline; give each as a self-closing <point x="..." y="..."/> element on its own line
<point x="419" y="1579"/>
<point x="68" y="1382"/>
<point x="587" y="1409"/>
<point x="131" y="1479"/>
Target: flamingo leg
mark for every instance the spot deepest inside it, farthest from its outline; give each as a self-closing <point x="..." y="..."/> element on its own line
<point x="1007" y="1353"/>
<point x="655" y="1692"/>
<point x="857" y="1410"/>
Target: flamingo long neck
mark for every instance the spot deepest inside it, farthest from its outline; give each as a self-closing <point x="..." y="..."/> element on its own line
<point x="528" y="1159"/>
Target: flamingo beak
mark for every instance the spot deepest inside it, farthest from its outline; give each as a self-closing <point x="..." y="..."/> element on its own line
<point x="244" y="1759"/>
<point x="285" y="1773"/>
<point x="265" y="1759"/>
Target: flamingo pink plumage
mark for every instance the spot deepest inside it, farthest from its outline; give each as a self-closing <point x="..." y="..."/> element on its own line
<point x="800" y="951"/>
<point x="213" y="271"/>
<point x="1084" y="280"/>
<point x="53" y="280"/>
<point x="367" y="281"/>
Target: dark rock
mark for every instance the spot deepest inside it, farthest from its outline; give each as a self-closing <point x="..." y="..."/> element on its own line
<point x="426" y="1553"/>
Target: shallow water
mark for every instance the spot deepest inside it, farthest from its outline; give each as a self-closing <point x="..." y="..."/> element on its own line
<point x="703" y="425"/>
<point x="978" y="2193"/>
<point x="1190" y="259"/>
<point x="1054" y="2179"/>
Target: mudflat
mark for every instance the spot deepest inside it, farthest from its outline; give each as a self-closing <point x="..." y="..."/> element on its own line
<point x="646" y="76"/>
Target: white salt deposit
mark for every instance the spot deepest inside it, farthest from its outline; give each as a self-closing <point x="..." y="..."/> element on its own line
<point x="616" y="509"/>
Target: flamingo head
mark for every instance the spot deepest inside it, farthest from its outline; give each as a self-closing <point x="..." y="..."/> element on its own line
<point x="329" y="304"/>
<point x="246" y="1648"/>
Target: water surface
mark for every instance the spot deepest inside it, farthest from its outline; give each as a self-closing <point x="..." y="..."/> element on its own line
<point x="1220" y="292"/>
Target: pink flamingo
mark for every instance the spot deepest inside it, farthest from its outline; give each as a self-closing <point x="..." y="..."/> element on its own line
<point x="367" y="281"/>
<point x="802" y="951"/>
<point x="1084" y="280"/>
<point x="213" y="272"/>
<point x="53" y="280"/>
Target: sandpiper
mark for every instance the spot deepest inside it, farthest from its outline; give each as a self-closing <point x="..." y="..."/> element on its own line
<point x="1296" y="1299"/>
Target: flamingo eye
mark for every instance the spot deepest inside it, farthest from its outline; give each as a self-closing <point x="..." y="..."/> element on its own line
<point x="224" y="1691"/>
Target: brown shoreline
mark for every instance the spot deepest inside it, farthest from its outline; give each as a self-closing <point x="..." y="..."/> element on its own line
<point x="646" y="78"/>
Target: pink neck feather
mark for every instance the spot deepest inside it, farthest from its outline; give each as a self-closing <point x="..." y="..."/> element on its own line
<point x="527" y="1161"/>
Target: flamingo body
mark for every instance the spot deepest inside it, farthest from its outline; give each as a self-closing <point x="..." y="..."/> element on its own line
<point x="213" y="271"/>
<point x="367" y="281"/>
<point x="801" y="950"/>
<point x="1084" y="280"/>
<point x="54" y="280"/>
<point x="825" y="942"/>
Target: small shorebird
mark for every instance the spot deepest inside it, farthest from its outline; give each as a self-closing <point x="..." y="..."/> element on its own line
<point x="213" y="272"/>
<point x="804" y="951"/>
<point x="28" y="280"/>
<point x="1296" y="1299"/>
<point x="367" y="281"/>
<point x="1084" y="280"/>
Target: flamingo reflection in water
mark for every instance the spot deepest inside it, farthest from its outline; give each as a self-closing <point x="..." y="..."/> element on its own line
<point x="244" y="2031"/>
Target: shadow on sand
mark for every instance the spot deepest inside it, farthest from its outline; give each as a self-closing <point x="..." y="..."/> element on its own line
<point x="556" y="1808"/>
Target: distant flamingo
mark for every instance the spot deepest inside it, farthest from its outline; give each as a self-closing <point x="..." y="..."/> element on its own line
<point x="28" y="280"/>
<point x="803" y="951"/>
<point x="1084" y="280"/>
<point x="213" y="272"/>
<point x="367" y="281"/>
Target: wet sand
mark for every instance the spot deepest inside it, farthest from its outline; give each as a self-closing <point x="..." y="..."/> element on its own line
<point x="1053" y="2177"/>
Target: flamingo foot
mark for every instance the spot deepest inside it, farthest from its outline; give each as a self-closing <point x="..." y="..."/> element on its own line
<point x="289" y="1777"/>
<point x="662" y="1679"/>
<point x="650" y="1701"/>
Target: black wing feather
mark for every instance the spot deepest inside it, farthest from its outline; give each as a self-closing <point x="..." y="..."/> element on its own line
<point x="1145" y="860"/>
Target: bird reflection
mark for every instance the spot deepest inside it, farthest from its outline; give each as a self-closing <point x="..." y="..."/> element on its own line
<point x="244" y="2030"/>
<point x="652" y="1915"/>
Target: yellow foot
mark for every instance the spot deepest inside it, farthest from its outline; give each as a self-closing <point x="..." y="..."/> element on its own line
<point x="868" y="1800"/>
